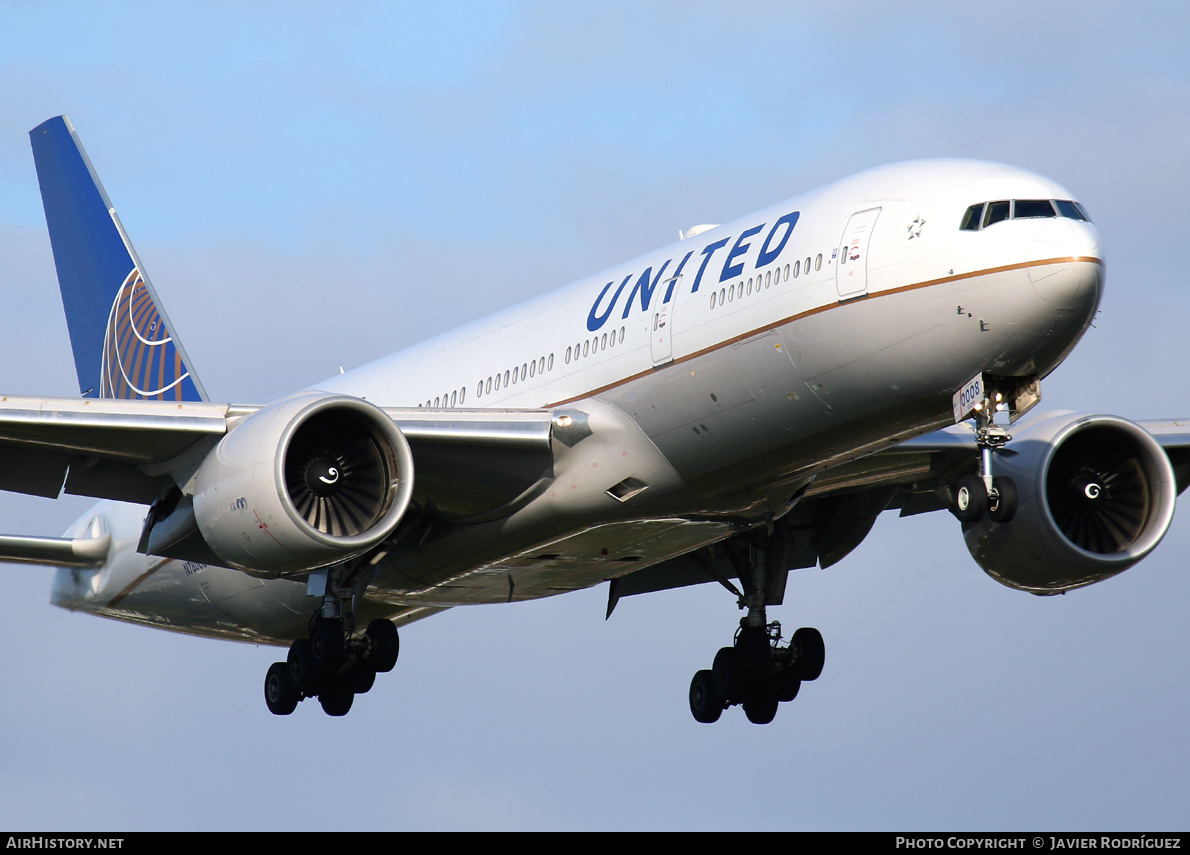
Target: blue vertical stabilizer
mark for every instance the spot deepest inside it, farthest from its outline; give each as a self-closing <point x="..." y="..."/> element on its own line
<point x="123" y="342"/>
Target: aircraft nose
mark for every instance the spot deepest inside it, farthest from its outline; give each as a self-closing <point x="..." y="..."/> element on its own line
<point x="1065" y="266"/>
<point x="1083" y="241"/>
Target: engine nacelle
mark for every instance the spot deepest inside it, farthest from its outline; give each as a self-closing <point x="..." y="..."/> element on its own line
<point x="1096" y="495"/>
<point x="308" y="481"/>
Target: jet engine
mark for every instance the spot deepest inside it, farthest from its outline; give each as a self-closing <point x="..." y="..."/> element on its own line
<point x="311" y="480"/>
<point x="1096" y="495"/>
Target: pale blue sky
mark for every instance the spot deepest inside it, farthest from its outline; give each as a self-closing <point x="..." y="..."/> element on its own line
<point x="311" y="187"/>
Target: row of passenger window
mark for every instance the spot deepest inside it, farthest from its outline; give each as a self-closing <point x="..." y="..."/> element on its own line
<point x="594" y="345"/>
<point x="589" y="347"/>
<point x="514" y="375"/>
<point x="453" y="399"/>
<point x="985" y="213"/>
<point x="518" y="374"/>
<point x="728" y="294"/>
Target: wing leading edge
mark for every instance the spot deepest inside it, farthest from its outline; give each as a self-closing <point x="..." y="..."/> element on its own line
<point x="131" y="450"/>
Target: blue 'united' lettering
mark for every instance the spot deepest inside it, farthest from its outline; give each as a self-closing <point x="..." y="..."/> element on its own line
<point x="646" y="284"/>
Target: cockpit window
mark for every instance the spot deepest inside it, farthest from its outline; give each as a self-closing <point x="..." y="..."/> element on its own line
<point x="997" y="211"/>
<point x="972" y="218"/>
<point x="984" y="214"/>
<point x="1072" y="210"/>
<point x="1028" y="208"/>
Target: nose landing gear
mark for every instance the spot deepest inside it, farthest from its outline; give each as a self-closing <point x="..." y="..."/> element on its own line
<point x="985" y="494"/>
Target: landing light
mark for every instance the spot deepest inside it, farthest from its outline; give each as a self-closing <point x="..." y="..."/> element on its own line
<point x="564" y="421"/>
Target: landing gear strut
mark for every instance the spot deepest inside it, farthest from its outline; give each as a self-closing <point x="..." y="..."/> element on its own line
<point x="757" y="672"/>
<point x="985" y="494"/>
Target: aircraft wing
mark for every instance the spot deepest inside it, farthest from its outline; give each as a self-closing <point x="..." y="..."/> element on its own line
<point x="921" y="467"/>
<point x="839" y="508"/>
<point x="130" y="450"/>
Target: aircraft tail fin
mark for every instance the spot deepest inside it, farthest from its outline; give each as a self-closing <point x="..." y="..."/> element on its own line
<point x="123" y="343"/>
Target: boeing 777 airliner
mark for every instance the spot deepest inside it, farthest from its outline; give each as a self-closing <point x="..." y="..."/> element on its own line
<point x="738" y="404"/>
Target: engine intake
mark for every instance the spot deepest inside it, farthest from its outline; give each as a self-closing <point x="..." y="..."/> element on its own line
<point x="1096" y="496"/>
<point x="306" y="482"/>
<point x="337" y="474"/>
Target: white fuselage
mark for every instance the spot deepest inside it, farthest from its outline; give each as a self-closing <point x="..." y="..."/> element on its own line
<point x="722" y="373"/>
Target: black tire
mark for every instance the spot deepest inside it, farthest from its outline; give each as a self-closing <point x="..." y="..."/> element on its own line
<point x="386" y="645"/>
<point x="811" y="653"/>
<point x="327" y="645"/>
<point x="362" y="677"/>
<point x="725" y="673"/>
<point x="705" y="703"/>
<point x="786" y="685"/>
<point x="336" y="699"/>
<point x="299" y="666"/>
<point x="761" y="708"/>
<point x="970" y="499"/>
<point x="754" y="653"/>
<point x="1004" y="508"/>
<point x="279" y="695"/>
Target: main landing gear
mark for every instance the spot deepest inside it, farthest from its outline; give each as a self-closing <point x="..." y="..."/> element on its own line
<point x="331" y="665"/>
<point x="985" y="494"/>
<point x="757" y="672"/>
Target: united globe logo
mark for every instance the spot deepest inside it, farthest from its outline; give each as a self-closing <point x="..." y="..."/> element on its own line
<point x="140" y="359"/>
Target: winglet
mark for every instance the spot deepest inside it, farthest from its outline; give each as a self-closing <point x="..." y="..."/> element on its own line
<point x="122" y="341"/>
